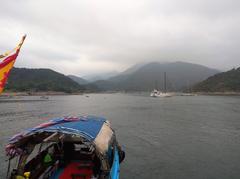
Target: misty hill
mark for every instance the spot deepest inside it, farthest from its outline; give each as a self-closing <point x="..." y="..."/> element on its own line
<point x="101" y="76"/>
<point x="23" y="79"/>
<point x="90" y="87"/>
<point x="180" y="75"/>
<point x="223" y="82"/>
<point x="105" y="85"/>
<point x="132" y="69"/>
<point x="77" y="79"/>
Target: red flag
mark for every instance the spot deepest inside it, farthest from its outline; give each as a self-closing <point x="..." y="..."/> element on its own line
<point x="7" y="64"/>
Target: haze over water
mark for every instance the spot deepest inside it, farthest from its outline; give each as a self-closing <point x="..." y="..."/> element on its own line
<point x="169" y="138"/>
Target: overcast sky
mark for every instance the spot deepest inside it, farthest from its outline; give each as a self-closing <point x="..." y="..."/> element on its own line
<point x="85" y="37"/>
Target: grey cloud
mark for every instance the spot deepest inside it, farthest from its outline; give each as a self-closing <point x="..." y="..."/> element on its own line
<point x="85" y="37"/>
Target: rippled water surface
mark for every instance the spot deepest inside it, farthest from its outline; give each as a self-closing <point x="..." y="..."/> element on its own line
<point x="167" y="138"/>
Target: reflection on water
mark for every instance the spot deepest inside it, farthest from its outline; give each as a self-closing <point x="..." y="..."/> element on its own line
<point x="180" y="137"/>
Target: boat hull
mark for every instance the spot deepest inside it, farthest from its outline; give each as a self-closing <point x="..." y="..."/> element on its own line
<point x="161" y="95"/>
<point x="68" y="147"/>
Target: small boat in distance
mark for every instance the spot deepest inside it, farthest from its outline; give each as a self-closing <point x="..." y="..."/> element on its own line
<point x="157" y="93"/>
<point x="66" y="148"/>
<point x="44" y="97"/>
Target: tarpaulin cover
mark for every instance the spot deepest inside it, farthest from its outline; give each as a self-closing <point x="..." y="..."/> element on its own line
<point x="87" y="126"/>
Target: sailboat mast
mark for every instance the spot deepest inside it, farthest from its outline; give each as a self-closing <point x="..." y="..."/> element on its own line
<point x="165" y="84"/>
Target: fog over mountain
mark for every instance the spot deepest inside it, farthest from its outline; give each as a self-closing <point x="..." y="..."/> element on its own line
<point x="93" y="37"/>
<point x="100" y="76"/>
<point x="79" y="80"/>
<point x="180" y="75"/>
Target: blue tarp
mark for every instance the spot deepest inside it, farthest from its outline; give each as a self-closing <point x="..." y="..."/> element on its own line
<point x="87" y="126"/>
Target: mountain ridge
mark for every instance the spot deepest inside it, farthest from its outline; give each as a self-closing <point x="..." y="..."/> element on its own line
<point x="143" y="77"/>
<point x="42" y="79"/>
<point x="228" y="81"/>
<point x="180" y="75"/>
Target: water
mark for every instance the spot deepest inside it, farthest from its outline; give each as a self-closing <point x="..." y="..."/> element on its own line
<point x="167" y="138"/>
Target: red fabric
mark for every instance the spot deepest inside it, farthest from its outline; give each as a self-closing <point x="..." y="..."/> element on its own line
<point x="74" y="168"/>
<point x="9" y="59"/>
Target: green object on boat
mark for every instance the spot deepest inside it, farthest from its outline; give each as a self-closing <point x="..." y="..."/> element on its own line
<point x="47" y="158"/>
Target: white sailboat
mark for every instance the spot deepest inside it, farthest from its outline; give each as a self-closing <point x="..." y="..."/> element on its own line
<point x="157" y="93"/>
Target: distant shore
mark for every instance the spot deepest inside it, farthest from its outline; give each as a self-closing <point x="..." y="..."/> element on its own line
<point x="47" y="93"/>
<point x="55" y="93"/>
<point x="227" y="93"/>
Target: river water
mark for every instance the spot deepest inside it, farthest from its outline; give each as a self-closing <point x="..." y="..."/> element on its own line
<point x="167" y="138"/>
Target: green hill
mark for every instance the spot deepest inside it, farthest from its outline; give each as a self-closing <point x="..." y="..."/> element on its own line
<point x="222" y="82"/>
<point x="23" y="79"/>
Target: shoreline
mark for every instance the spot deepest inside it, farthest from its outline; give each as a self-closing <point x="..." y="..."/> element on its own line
<point x="55" y="93"/>
<point x="229" y="93"/>
<point x="47" y="93"/>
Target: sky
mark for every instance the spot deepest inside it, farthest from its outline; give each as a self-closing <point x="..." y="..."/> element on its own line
<point x="86" y="37"/>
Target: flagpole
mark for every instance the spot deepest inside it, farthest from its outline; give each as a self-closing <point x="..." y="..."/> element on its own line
<point x="21" y="42"/>
<point x="15" y="49"/>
